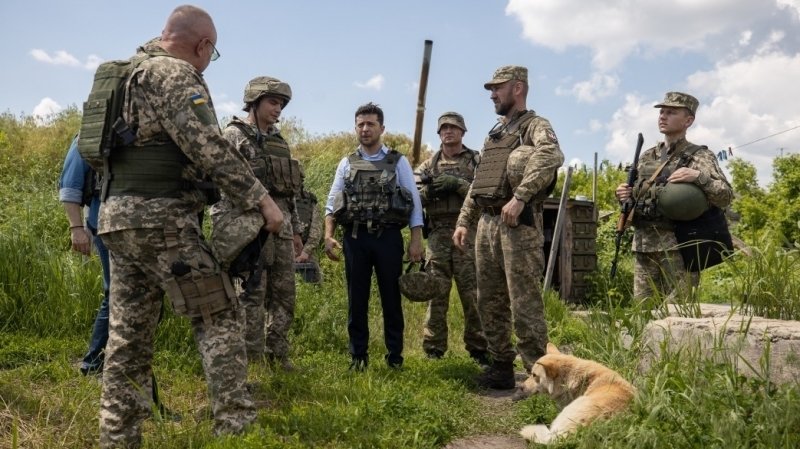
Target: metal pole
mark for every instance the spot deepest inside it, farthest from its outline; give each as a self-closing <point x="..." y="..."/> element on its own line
<point x="562" y="207"/>
<point x="423" y="89"/>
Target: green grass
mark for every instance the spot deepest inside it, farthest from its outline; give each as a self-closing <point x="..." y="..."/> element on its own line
<point x="49" y="296"/>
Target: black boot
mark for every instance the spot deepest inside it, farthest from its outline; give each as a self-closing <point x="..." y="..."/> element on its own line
<point x="500" y="376"/>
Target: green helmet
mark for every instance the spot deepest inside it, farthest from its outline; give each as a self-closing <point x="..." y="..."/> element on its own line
<point x="682" y="201"/>
<point x="233" y="232"/>
<point x="266" y="85"/>
<point x="420" y="286"/>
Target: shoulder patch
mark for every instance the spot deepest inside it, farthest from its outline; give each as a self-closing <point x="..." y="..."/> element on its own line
<point x="197" y="99"/>
<point x="551" y="135"/>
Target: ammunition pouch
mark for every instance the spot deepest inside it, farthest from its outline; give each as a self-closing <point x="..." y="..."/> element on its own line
<point x="280" y="175"/>
<point x="201" y="297"/>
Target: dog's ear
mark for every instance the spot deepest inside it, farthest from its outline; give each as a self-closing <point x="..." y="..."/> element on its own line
<point x="550" y="367"/>
<point x="552" y="349"/>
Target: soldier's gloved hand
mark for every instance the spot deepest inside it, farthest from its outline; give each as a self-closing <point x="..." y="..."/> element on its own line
<point x="446" y="183"/>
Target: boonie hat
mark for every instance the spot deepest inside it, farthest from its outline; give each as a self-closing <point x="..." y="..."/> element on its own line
<point x="507" y="73"/>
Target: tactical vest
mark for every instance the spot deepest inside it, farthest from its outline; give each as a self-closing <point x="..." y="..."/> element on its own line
<point x="106" y="140"/>
<point x="372" y="195"/>
<point x="646" y="193"/>
<point x="102" y="126"/>
<point x="449" y="206"/>
<point x="491" y="186"/>
<point x="305" y="202"/>
<point x="274" y="166"/>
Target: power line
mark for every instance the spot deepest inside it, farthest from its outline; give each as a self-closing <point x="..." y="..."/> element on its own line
<point x="766" y="137"/>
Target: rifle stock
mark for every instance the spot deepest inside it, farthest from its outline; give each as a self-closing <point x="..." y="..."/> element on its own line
<point x="626" y="214"/>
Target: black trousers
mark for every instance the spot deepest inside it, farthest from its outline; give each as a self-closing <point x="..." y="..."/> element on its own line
<point x="382" y="252"/>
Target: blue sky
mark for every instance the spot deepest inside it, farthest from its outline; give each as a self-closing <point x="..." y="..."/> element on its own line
<point x="596" y="68"/>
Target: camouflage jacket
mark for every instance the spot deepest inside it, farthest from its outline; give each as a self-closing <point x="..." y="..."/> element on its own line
<point x="462" y="166"/>
<point x="314" y="228"/>
<point x="530" y="166"/>
<point x="167" y="100"/>
<point x="248" y="148"/>
<point x="712" y="180"/>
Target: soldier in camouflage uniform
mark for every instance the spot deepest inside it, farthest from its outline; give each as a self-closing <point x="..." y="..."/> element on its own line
<point x="271" y="286"/>
<point x="519" y="164"/>
<point x="311" y="223"/>
<point x="447" y="176"/>
<point x="154" y="236"/>
<point x="657" y="260"/>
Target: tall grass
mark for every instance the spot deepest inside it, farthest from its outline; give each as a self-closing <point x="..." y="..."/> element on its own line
<point x="48" y="298"/>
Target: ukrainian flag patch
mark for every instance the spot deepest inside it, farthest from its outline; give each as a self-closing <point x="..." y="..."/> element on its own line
<point x="197" y="99"/>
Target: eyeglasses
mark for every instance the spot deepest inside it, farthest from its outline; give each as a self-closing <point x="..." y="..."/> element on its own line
<point x="214" y="52"/>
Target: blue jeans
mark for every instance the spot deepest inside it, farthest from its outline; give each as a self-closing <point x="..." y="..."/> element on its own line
<point x="93" y="360"/>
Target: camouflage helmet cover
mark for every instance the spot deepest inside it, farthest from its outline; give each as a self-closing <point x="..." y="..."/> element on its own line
<point x="451" y="118"/>
<point x="267" y="85"/>
<point x="420" y="286"/>
<point x="233" y="230"/>
<point x="681" y="201"/>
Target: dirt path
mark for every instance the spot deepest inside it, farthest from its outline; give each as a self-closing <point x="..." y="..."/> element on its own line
<point x="497" y="407"/>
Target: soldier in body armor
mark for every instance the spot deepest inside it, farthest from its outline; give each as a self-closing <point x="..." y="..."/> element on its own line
<point x="373" y="196"/>
<point x="311" y="222"/>
<point x="149" y="222"/>
<point x="269" y="291"/>
<point x="448" y="174"/>
<point x="519" y="164"/>
<point x="657" y="260"/>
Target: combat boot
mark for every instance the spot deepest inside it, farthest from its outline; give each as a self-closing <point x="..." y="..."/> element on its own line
<point x="499" y="376"/>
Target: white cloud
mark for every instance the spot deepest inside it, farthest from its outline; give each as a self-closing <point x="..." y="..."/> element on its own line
<point x="613" y="29"/>
<point x="791" y="4"/>
<point x="45" y="110"/>
<point x="600" y="85"/>
<point x="744" y="38"/>
<point x="225" y="108"/>
<point x="374" y="83"/>
<point x="61" y="57"/>
<point x="741" y="102"/>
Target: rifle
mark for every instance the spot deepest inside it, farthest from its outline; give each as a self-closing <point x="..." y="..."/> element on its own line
<point x="627" y="206"/>
<point x="423" y="88"/>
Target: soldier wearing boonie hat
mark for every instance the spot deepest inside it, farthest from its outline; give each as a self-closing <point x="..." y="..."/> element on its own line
<point x="657" y="260"/>
<point x="450" y="172"/>
<point x="519" y="164"/>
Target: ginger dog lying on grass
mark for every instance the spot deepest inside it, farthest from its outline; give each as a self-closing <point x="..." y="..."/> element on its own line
<point x="583" y="389"/>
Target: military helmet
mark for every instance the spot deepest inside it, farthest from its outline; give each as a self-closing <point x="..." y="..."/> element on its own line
<point x="451" y="118"/>
<point x="266" y="85"/>
<point x="682" y="201"/>
<point x="234" y="233"/>
<point x="420" y="286"/>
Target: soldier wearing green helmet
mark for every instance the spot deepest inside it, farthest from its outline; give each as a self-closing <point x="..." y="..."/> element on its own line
<point x="268" y="296"/>
<point x="678" y="182"/>
<point x="450" y="172"/>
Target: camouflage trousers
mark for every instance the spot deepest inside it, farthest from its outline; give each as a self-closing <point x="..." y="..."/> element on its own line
<point x="140" y="269"/>
<point x="662" y="272"/>
<point x="269" y="303"/>
<point x="447" y="261"/>
<point x="509" y="264"/>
